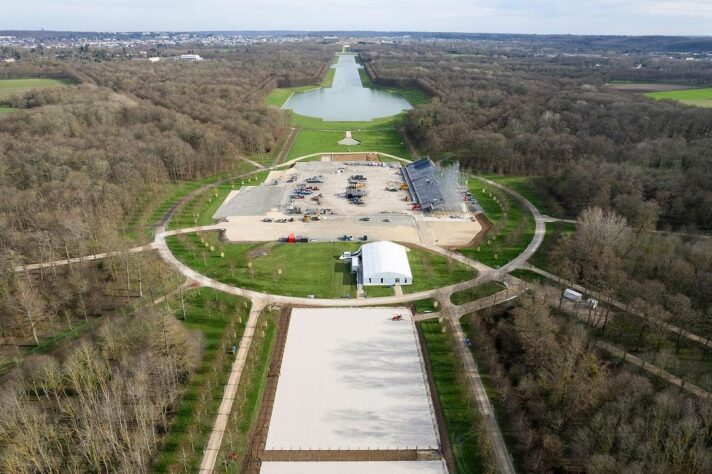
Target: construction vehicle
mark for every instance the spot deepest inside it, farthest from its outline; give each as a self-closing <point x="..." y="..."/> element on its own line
<point x="306" y="218"/>
<point x="404" y="187"/>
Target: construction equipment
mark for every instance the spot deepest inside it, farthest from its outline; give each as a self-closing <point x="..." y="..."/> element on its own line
<point x="306" y="218"/>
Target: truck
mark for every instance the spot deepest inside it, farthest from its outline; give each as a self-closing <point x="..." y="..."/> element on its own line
<point x="572" y="295"/>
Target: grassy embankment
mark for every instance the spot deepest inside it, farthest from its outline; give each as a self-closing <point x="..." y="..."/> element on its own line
<point x="248" y="398"/>
<point x="695" y="97"/>
<point x="512" y="229"/>
<point x="477" y="292"/>
<point x="462" y="418"/>
<point x="306" y="269"/>
<point x="220" y="320"/>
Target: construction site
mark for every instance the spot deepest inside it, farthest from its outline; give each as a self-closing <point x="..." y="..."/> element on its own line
<point x="354" y="200"/>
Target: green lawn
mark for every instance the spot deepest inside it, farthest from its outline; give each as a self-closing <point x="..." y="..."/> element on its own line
<point x="313" y="141"/>
<point x="220" y="320"/>
<point x="697" y="97"/>
<point x="528" y="187"/>
<point x="200" y="209"/>
<point x="512" y="230"/>
<point x="431" y="270"/>
<point x="462" y="419"/>
<point x="307" y="269"/>
<point x="10" y="87"/>
<point x="6" y="110"/>
<point x="477" y="292"/>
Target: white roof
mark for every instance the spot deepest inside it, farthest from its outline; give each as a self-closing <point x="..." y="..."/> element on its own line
<point x="383" y="258"/>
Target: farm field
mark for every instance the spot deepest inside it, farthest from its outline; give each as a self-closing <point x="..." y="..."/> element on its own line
<point x="696" y="97"/>
<point x="10" y="87"/>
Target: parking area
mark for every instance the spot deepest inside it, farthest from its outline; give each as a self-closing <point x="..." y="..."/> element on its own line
<point x="326" y="201"/>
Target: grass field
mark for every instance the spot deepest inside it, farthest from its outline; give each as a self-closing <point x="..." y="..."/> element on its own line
<point x="200" y="209"/>
<point x="6" y="110"/>
<point x="512" y="230"/>
<point x="10" y="87"/>
<point x="477" y="292"/>
<point x="220" y="320"/>
<point x="306" y="269"/>
<point x="696" y="97"/>
<point x="313" y="141"/>
<point x="528" y="187"/>
<point x="249" y="394"/>
<point x="461" y="416"/>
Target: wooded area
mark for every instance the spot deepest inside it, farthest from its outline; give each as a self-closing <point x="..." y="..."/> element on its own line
<point x="499" y="110"/>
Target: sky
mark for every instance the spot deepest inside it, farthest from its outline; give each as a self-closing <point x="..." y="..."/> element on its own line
<point x="627" y="17"/>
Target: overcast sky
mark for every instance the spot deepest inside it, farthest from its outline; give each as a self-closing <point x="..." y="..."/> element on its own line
<point x="633" y="17"/>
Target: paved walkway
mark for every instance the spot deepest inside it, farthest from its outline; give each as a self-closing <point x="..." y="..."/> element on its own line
<point x="213" y="448"/>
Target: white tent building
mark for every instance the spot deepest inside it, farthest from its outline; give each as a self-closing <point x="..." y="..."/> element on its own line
<point x="381" y="263"/>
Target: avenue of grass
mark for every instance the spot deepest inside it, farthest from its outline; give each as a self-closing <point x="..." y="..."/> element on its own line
<point x="10" y="87"/>
<point x="220" y="321"/>
<point x="200" y="209"/>
<point x="462" y="419"/>
<point x="250" y="390"/>
<point x="319" y="141"/>
<point x="669" y="351"/>
<point x="6" y="110"/>
<point x="476" y="292"/>
<point x="302" y="269"/>
<point x="512" y="230"/>
<point x="697" y="97"/>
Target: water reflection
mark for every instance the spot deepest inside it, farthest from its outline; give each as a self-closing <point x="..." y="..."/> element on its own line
<point x="347" y="99"/>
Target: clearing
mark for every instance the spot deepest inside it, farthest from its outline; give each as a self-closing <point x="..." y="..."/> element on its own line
<point x="695" y="97"/>
<point x="10" y="87"/>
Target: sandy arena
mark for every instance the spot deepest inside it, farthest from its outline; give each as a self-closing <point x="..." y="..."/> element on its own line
<point x="352" y="378"/>
<point x="384" y="215"/>
<point x="374" y="467"/>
